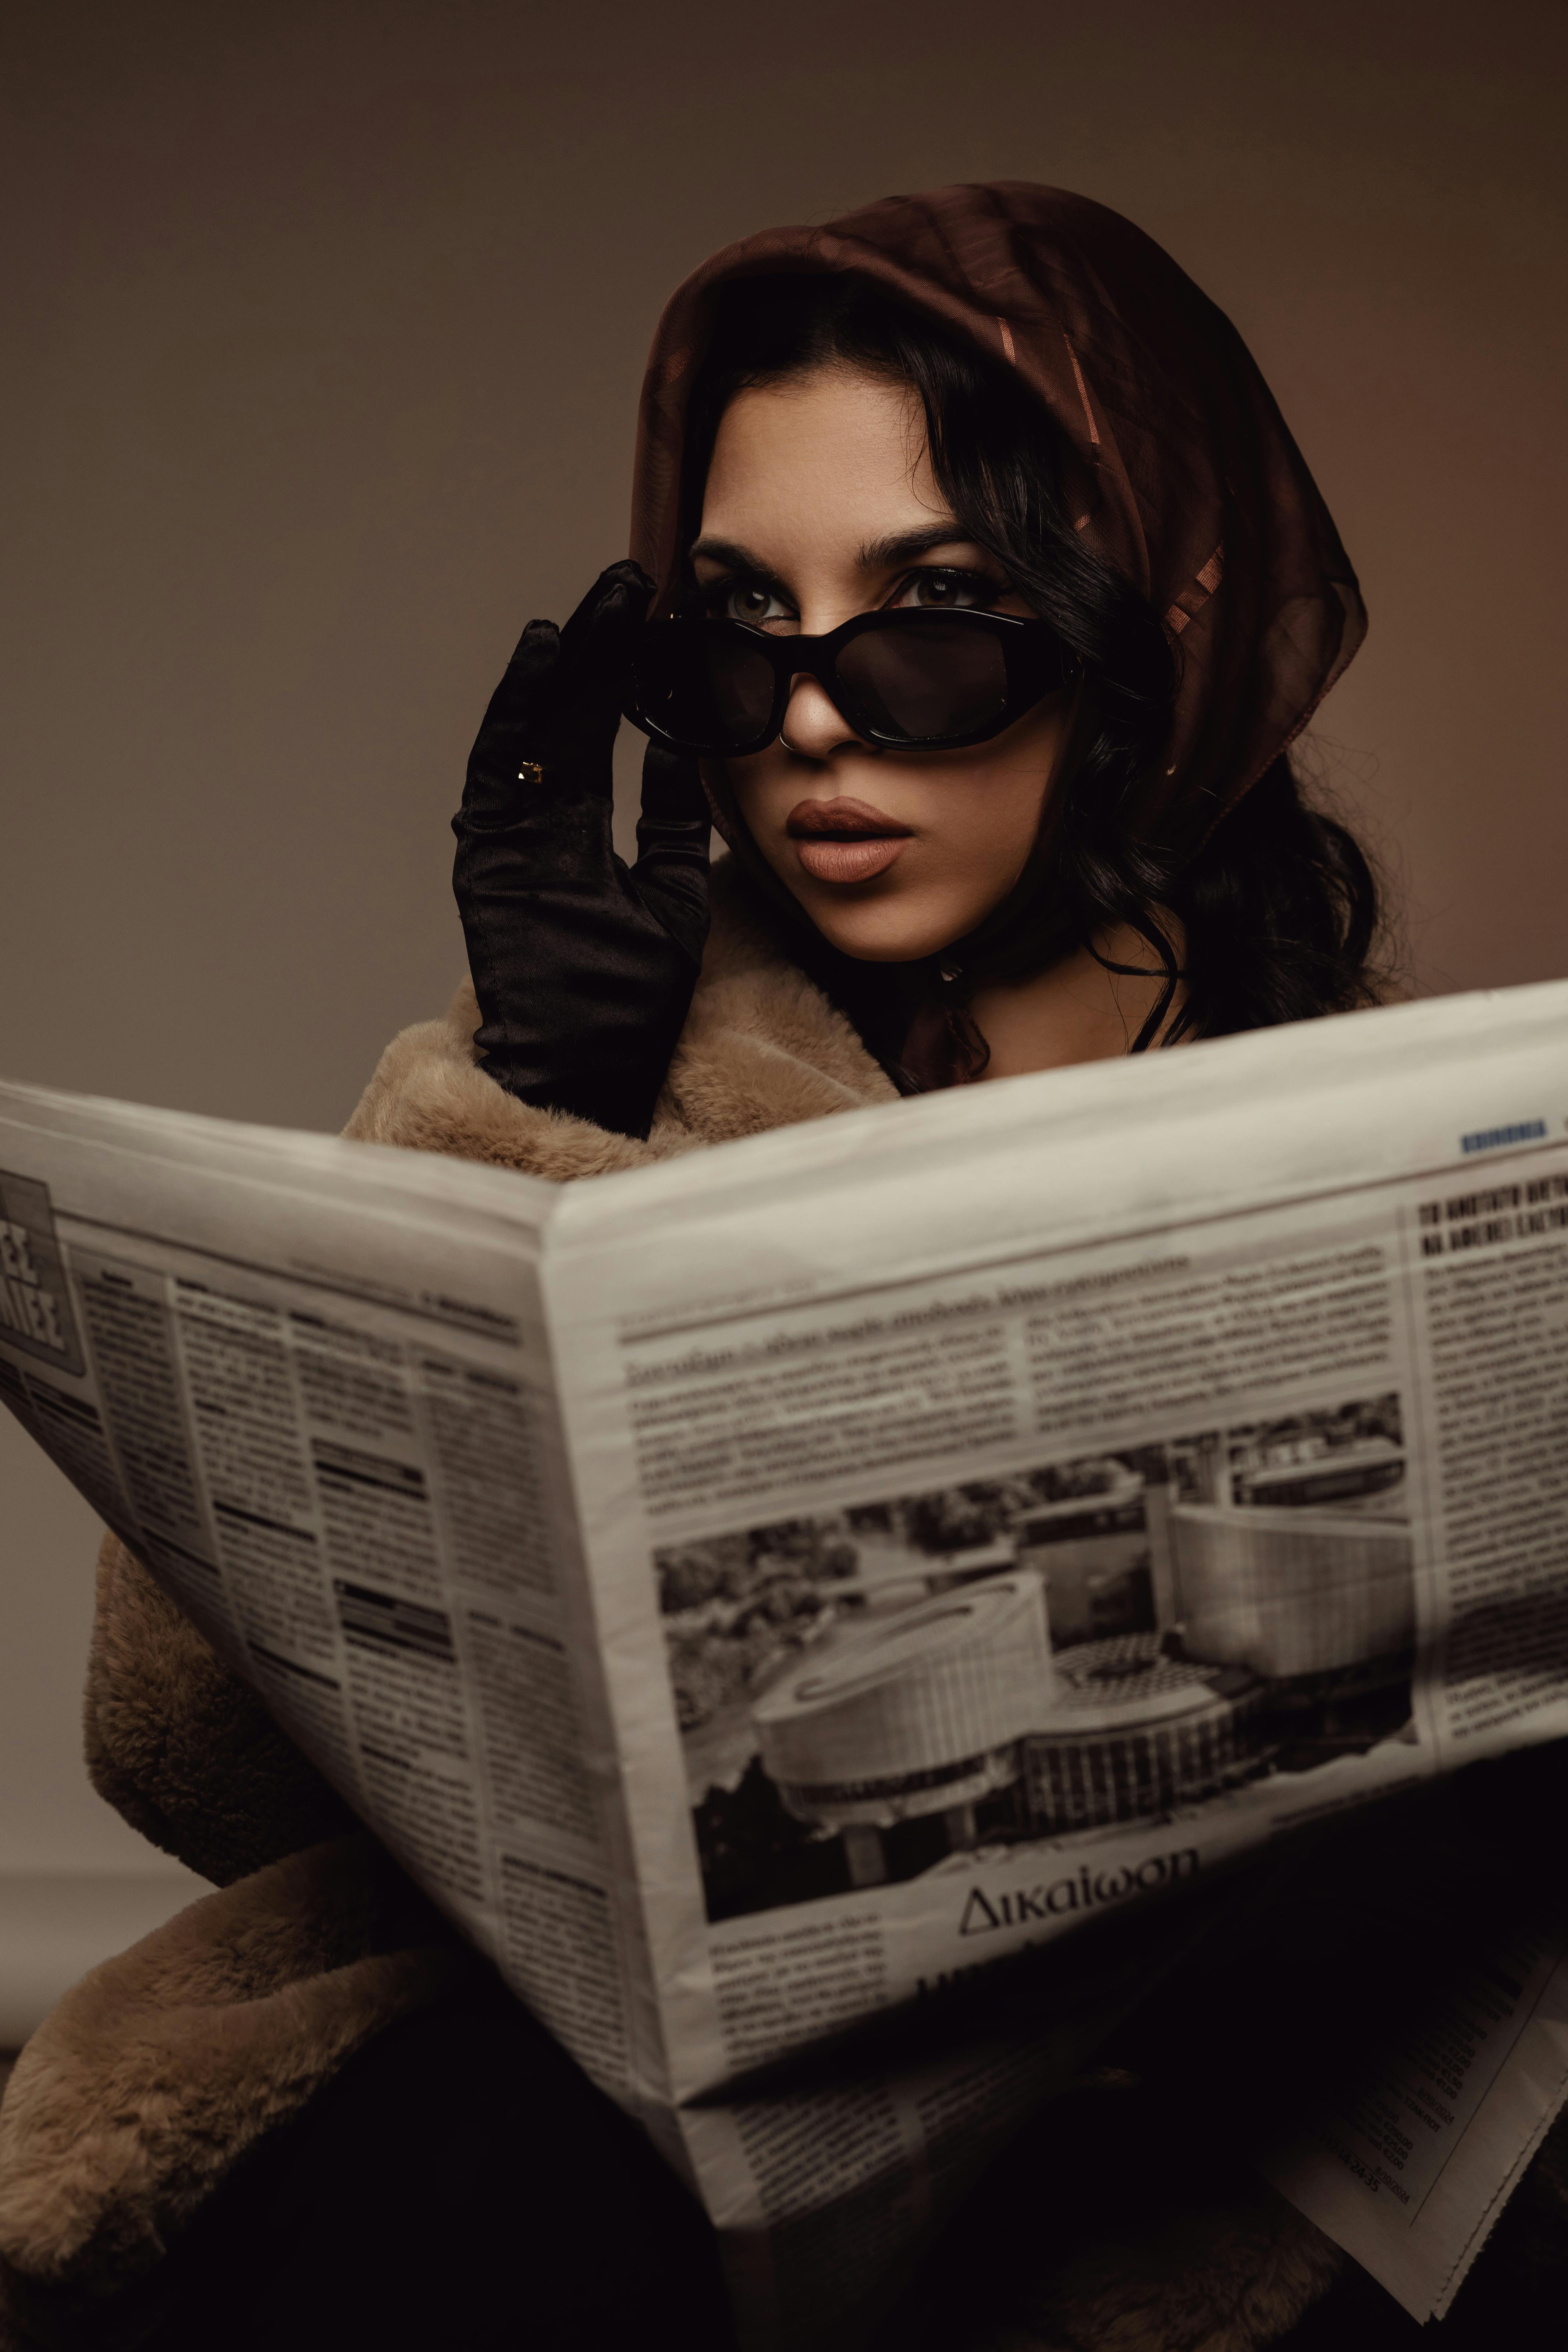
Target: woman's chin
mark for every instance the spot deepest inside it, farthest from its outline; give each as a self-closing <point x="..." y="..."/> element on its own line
<point x="882" y="931"/>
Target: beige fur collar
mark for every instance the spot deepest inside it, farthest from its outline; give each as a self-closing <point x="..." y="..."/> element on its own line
<point x="762" y="1048"/>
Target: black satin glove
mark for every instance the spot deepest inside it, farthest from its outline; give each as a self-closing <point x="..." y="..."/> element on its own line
<point x="583" y="969"/>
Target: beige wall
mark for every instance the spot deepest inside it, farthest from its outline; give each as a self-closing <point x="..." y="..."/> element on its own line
<point x="330" y="321"/>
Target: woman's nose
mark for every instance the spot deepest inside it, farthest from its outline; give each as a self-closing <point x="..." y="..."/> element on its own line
<point x="812" y="726"/>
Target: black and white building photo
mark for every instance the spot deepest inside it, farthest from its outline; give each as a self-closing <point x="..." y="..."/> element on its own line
<point x="1097" y="1641"/>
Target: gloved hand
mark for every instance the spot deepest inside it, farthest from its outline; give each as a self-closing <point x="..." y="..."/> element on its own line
<point x="583" y="969"/>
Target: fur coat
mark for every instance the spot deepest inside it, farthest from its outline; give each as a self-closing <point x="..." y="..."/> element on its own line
<point x="154" y="2077"/>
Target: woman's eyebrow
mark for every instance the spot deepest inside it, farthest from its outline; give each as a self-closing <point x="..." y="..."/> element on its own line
<point x="875" y="555"/>
<point x="738" y="558"/>
<point x="885" y="554"/>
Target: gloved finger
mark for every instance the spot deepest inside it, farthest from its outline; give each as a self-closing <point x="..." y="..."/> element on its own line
<point x="675" y="809"/>
<point x="673" y="835"/>
<point x="528" y="679"/>
<point x="501" y="765"/>
<point x="617" y="587"/>
<point x="597" y="641"/>
<point x="534" y="650"/>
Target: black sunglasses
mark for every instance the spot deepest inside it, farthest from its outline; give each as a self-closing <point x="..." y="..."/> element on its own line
<point x="916" y="680"/>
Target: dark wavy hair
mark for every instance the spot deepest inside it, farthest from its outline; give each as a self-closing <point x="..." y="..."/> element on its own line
<point x="1279" y="915"/>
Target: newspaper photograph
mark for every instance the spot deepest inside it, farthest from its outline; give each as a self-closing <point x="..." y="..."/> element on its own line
<point x="1093" y="1642"/>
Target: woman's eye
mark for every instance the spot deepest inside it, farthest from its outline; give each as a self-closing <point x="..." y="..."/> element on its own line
<point x="755" y="603"/>
<point x="940" y="591"/>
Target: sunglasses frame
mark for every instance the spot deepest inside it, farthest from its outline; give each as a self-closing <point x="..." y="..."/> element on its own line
<point x="1036" y="661"/>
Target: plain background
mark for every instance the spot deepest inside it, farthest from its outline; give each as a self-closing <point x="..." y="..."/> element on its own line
<point x="325" y="326"/>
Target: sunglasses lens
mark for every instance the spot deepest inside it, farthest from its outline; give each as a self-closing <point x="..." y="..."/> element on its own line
<point x="937" y="678"/>
<point x="705" y="683"/>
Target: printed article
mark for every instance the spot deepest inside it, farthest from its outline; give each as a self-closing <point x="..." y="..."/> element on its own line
<point x="342" y="1476"/>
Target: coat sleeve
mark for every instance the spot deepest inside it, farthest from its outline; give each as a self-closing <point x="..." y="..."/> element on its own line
<point x="182" y="1748"/>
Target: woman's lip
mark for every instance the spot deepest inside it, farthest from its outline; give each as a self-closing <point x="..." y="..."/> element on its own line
<point x="844" y="840"/>
<point x="811" y="820"/>
<point x="844" y="859"/>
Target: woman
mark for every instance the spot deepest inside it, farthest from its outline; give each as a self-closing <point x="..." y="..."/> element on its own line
<point x="987" y="593"/>
<point x="994" y="844"/>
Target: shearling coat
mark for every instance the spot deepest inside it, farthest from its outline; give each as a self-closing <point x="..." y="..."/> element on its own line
<point x="153" y="2078"/>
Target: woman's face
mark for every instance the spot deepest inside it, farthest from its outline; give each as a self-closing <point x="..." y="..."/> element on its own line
<point x="821" y="503"/>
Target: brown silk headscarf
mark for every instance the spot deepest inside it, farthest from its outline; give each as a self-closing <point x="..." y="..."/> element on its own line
<point x="1187" y="482"/>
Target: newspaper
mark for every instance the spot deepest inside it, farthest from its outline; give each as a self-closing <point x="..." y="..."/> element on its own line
<point x="1408" y="2168"/>
<point x="759" y="1593"/>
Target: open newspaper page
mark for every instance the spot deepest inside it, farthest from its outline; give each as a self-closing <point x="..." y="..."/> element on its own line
<point x="760" y="1594"/>
<point x="1040" y="1497"/>
<point x="309" y="1383"/>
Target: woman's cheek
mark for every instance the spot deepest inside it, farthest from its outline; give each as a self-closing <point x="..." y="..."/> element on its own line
<point x="982" y="850"/>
